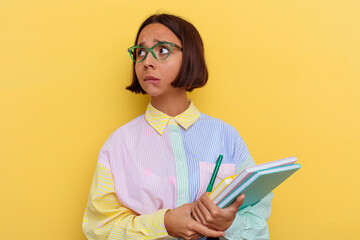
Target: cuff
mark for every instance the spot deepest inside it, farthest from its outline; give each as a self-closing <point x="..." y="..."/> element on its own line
<point x="155" y="225"/>
<point x="236" y="229"/>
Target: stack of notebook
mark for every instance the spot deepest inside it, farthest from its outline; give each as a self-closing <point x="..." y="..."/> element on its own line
<point x="255" y="182"/>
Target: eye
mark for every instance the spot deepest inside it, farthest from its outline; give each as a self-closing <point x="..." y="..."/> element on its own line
<point x="140" y="52"/>
<point x="164" y="50"/>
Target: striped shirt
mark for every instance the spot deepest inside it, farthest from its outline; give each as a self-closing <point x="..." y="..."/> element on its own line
<point x="157" y="162"/>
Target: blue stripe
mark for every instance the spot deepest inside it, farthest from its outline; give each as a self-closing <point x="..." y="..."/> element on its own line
<point x="204" y="141"/>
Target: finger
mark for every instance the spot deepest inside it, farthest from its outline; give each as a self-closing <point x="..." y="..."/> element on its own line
<point x="195" y="217"/>
<point x="213" y="209"/>
<point x="195" y="235"/>
<point x="190" y="235"/>
<point x="208" y="203"/>
<point x="189" y="206"/>
<point x="234" y="207"/>
<point x="199" y="215"/>
<point x="192" y="215"/>
<point x="203" y="209"/>
<point x="192" y="211"/>
<point x="197" y="227"/>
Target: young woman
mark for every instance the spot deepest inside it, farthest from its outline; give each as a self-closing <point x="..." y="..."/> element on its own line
<point x="151" y="177"/>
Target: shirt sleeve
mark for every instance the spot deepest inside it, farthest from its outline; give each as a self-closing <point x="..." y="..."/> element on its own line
<point x="250" y="223"/>
<point x="106" y="218"/>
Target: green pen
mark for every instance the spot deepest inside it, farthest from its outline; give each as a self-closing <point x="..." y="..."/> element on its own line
<point x="212" y="180"/>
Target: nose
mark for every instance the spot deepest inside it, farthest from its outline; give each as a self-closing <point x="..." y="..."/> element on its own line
<point x="149" y="61"/>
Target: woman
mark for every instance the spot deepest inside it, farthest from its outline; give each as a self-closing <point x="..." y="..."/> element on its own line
<point x="152" y="173"/>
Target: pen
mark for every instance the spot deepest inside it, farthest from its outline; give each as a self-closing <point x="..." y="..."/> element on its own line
<point x="212" y="180"/>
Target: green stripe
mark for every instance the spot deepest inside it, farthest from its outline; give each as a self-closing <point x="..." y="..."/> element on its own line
<point x="181" y="165"/>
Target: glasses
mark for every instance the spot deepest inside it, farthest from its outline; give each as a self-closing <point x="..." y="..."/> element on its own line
<point x="160" y="51"/>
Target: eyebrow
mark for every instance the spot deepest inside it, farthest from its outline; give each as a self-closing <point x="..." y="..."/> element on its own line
<point x="155" y="41"/>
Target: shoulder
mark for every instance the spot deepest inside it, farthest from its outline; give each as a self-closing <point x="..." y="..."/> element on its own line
<point x="215" y="123"/>
<point x="222" y="127"/>
<point x="234" y="144"/>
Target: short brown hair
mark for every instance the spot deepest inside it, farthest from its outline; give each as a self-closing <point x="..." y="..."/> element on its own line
<point x="193" y="72"/>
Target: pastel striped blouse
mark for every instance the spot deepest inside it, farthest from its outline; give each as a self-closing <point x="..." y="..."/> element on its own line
<point x="157" y="162"/>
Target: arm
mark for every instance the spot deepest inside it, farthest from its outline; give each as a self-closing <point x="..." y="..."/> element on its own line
<point x="106" y="218"/>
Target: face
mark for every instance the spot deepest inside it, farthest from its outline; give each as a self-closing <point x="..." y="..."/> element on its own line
<point x="155" y="76"/>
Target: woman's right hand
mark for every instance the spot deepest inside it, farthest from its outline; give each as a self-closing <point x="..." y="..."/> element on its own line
<point x="180" y="224"/>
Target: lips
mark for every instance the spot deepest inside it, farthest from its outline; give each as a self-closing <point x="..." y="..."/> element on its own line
<point x="151" y="78"/>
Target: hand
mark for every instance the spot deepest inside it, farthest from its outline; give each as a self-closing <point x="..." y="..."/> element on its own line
<point x="208" y="214"/>
<point x="179" y="223"/>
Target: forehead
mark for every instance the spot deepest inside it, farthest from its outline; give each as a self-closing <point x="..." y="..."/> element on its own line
<point x="155" y="32"/>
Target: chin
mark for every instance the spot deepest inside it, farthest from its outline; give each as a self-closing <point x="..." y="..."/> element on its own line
<point x="153" y="92"/>
<point x="150" y="90"/>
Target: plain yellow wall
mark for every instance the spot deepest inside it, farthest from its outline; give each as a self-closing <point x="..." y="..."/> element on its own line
<point x="286" y="74"/>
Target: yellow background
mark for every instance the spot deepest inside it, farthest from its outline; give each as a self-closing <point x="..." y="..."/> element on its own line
<point x="286" y="74"/>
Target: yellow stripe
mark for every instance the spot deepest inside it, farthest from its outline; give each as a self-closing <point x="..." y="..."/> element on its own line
<point x="106" y="218"/>
<point x="158" y="120"/>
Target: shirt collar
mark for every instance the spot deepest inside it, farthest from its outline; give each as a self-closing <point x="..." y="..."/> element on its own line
<point x="158" y="120"/>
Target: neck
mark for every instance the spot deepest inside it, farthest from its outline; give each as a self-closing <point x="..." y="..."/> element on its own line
<point x="172" y="105"/>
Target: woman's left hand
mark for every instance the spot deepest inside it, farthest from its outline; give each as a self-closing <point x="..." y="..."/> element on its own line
<point x="207" y="213"/>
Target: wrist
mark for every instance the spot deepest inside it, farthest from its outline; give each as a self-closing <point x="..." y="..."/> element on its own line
<point x="167" y="222"/>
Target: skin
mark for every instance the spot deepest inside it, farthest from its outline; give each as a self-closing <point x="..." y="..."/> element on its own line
<point x="179" y="223"/>
<point x="164" y="97"/>
<point x="208" y="214"/>
<point x="200" y="218"/>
